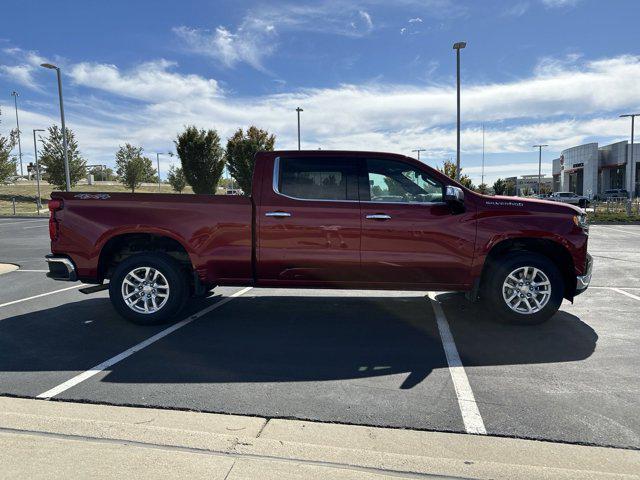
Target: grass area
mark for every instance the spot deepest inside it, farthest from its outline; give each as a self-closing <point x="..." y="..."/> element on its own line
<point x="613" y="217"/>
<point x="25" y="195"/>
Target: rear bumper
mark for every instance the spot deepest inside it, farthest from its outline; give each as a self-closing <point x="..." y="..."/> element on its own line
<point x="61" y="268"/>
<point x="582" y="281"/>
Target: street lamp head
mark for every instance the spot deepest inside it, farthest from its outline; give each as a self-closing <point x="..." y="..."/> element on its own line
<point x="49" y="65"/>
<point x="298" y="109"/>
<point x="459" y="45"/>
<point x="15" y="94"/>
<point x="39" y="130"/>
<point x="630" y="115"/>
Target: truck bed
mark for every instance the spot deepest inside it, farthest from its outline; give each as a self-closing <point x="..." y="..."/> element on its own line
<point x="215" y="230"/>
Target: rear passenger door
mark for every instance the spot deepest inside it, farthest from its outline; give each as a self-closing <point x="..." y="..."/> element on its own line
<point x="309" y="222"/>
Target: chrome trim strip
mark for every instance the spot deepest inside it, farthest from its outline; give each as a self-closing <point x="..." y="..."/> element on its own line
<point x="277" y="214"/>
<point x="275" y="186"/>
<point x="378" y="216"/>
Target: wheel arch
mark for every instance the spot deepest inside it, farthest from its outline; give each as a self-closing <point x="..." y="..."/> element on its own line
<point x="124" y="244"/>
<point x="552" y="249"/>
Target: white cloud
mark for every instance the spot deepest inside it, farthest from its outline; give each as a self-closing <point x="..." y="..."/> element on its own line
<point x="415" y="20"/>
<point x="150" y="81"/>
<point x="574" y="101"/>
<point x="252" y="41"/>
<point x="366" y="18"/>
<point x="255" y="39"/>
<point x="559" y="3"/>
<point x="516" y="9"/>
<point x="21" y="74"/>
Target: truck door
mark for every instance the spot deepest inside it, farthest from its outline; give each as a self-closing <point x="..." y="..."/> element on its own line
<point x="409" y="235"/>
<point x="309" y="222"/>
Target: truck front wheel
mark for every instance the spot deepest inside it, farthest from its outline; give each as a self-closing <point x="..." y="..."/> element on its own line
<point x="148" y="288"/>
<point x="524" y="288"/>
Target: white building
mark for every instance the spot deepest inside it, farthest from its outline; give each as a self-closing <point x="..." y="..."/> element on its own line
<point x="590" y="170"/>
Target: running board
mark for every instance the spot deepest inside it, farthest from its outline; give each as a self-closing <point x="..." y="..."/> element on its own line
<point x="94" y="289"/>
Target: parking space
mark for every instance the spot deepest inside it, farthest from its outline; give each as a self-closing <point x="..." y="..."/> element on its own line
<point x="363" y="357"/>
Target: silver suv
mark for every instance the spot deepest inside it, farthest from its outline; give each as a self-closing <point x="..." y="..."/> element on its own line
<point x="571" y="198"/>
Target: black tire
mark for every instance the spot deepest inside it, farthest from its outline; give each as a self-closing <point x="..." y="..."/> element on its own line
<point x="492" y="291"/>
<point x="175" y="278"/>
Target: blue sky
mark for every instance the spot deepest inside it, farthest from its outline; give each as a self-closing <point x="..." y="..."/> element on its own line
<point x="374" y="74"/>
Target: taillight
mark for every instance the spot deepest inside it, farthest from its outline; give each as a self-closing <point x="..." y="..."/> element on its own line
<point x="55" y="204"/>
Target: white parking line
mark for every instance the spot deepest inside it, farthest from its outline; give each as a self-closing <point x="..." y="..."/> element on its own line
<point x="44" y="225"/>
<point x="32" y="271"/>
<point x="466" y="401"/>
<point x="620" y="230"/>
<point x="26" y="221"/>
<point x="631" y="295"/>
<point x="136" y="348"/>
<point x="38" y="296"/>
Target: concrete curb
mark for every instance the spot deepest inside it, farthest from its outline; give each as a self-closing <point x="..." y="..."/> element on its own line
<point x="253" y="447"/>
<point x="8" y="267"/>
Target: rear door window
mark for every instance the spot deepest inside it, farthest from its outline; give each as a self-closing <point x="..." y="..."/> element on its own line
<point x="319" y="178"/>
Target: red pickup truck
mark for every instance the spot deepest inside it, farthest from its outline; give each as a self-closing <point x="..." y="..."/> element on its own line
<point x="323" y="219"/>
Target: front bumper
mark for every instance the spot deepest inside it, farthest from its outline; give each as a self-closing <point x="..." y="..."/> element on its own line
<point x="582" y="281"/>
<point x="61" y="268"/>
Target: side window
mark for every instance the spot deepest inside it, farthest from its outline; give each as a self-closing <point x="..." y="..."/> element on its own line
<point x="319" y="178"/>
<point x="394" y="181"/>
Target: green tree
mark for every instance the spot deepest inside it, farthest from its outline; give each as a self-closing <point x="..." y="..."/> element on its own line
<point x="176" y="179"/>
<point x="7" y="161"/>
<point x="499" y="186"/>
<point x="133" y="168"/>
<point x="241" y="152"/>
<point x="510" y="188"/>
<point x="483" y="188"/>
<point x="202" y="158"/>
<point x="52" y="158"/>
<point x="449" y="169"/>
<point x="102" y="174"/>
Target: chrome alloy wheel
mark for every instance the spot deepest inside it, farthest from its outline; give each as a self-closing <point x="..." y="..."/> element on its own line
<point x="145" y="290"/>
<point x="526" y="290"/>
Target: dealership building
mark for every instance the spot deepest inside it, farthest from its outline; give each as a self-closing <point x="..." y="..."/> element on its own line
<point x="590" y="169"/>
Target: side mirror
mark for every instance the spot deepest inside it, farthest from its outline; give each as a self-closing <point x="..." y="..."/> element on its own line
<point x="454" y="197"/>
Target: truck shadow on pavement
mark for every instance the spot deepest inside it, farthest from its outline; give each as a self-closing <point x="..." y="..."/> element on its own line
<point x="284" y="339"/>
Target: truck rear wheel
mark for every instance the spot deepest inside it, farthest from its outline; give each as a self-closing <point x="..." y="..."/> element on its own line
<point x="148" y="288"/>
<point x="525" y="289"/>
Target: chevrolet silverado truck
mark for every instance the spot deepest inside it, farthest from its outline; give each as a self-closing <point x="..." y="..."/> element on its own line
<point x="323" y="219"/>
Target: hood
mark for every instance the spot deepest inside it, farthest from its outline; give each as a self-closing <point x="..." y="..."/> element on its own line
<point x="529" y="204"/>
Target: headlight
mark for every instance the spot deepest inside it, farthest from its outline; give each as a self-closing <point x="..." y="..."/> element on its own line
<point x="581" y="221"/>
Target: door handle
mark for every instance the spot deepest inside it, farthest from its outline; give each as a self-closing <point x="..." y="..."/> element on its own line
<point x="378" y="216"/>
<point x="277" y="214"/>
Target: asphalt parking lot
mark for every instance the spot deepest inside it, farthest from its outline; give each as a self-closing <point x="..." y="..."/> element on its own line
<point x="363" y="357"/>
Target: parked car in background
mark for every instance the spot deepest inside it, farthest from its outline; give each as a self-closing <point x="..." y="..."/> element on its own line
<point x="615" y="194"/>
<point x="570" y="198"/>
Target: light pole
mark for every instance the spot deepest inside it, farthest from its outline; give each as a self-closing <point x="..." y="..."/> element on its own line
<point x="482" y="174"/>
<point x="35" y="152"/>
<point x="419" y="150"/>
<point x="158" y="163"/>
<point x="457" y="47"/>
<point x="298" y="109"/>
<point x="15" y="96"/>
<point x="539" y="147"/>
<point x="64" y="130"/>
<point x="630" y="162"/>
